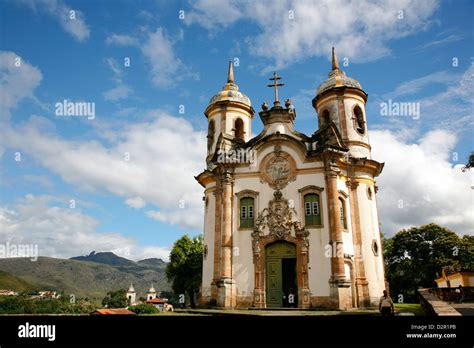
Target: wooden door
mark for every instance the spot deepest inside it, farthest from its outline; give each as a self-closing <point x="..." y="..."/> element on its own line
<point x="275" y="288"/>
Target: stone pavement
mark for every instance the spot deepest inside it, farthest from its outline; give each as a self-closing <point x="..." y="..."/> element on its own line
<point x="464" y="308"/>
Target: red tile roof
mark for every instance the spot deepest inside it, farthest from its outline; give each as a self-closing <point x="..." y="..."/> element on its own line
<point x="113" y="311"/>
<point x="156" y="300"/>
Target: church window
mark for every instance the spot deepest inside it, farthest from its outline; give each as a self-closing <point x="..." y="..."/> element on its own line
<point x="246" y="212"/>
<point x="375" y="247"/>
<point x="325" y="118"/>
<point x="359" y="119"/>
<point x="312" y="211"/>
<point x="210" y="134"/>
<point x="342" y="214"/>
<point x="239" y="129"/>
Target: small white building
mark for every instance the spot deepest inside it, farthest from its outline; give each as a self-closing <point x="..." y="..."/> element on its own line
<point x="151" y="293"/>
<point x="131" y="295"/>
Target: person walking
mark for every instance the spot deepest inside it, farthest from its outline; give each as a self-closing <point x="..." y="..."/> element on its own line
<point x="386" y="305"/>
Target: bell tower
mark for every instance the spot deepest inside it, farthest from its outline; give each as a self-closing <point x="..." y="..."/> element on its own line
<point x="229" y="116"/>
<point x="341" y="99"/>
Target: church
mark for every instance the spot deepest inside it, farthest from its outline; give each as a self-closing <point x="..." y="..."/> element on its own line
<point x="291" y="219"/>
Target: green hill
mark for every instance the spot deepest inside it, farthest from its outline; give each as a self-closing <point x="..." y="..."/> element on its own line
<point x="87" y="278"/>
<point x="10" y="282"/>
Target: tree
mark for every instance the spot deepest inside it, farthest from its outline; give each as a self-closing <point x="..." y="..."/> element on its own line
<point x="144" y="308"/>
<point x="415" y="257"/>
<point x="173" y="299"/>
<point x="116" y="299"/>
<point x="185" y="267"/>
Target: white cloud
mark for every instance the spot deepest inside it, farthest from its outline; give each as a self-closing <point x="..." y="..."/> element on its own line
<point x="166" y="68"/>
<point x="159" y="51"/>
<point x="450" y="109"/>
<point x="212" y="15"/>
<point x="136" y="202"/>
<point x="360" y="30"/>
<point x="117" y="93"/>
<point x="16" y="82"/>
<point x="63" y="232"/>
<point x="445" y="40"/>
<point x="164" y="155"/>
<point x="121" y="40"/>
<point x="420" y="176"/>
<point x="416" y="85"/>
<point x="72" y="22"/>
<point x="120" y="91"/>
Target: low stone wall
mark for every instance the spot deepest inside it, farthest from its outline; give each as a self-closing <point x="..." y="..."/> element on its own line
<point x="434" y="306"/>
<point x="453" y="294"/>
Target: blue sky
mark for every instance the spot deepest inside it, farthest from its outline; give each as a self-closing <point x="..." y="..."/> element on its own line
<point x="398" y="50"/>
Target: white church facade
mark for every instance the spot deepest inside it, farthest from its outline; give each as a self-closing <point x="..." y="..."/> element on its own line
<point x="291" y="219"/>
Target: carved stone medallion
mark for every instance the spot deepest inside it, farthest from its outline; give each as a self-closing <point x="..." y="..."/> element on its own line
<point x="278" y="169"/>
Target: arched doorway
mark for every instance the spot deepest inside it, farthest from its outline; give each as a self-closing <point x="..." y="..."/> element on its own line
<point x="281" y="274"/>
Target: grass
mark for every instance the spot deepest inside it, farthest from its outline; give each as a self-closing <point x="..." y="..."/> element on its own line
<point x="409" y="308"/>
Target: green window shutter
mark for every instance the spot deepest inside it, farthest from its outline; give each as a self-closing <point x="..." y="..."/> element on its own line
<point x="246" y="212"/>
<point x="312" y="209"/>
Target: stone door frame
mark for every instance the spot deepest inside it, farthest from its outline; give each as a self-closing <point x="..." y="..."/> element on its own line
<point x="260" y="268"/>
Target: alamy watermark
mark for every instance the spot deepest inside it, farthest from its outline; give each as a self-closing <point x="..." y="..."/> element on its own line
<point x="8" y="250"/>
<point x="80" y="109"/>
<point x="237" y="156"/>
<point x="391" y="108"/>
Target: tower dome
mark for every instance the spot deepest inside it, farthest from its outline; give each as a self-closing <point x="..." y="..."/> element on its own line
<point x="230" y="91"/>
<point x="337" y="78"/>
<point x="152" y="289"/>
<point x="131" y="288"/>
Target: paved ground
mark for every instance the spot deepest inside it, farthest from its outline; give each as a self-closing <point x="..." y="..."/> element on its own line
<point x="240" y="312"/>
<point x="464" y="308"/>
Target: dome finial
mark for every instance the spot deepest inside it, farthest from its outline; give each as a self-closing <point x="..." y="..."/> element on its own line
<point x="335" y="63"/>
<point x="230" y="74"/>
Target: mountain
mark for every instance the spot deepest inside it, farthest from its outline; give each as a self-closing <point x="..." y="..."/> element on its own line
<point x="89" y="276"/>
<point x="108" y="258"/>
<point x="153" y="262"/>
<point x="10" y="282"/>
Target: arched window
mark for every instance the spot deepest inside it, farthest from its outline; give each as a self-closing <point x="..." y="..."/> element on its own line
<point x="375" y="247"/>
<point x="210" y="134"/>
<point x="312" y="211"/>
<point x="359" y="119"/>
<point x="325" y="118"/>
<point x="342" y="210"/>
<point x="246" y="212"/>
<point x="239" y="129"/>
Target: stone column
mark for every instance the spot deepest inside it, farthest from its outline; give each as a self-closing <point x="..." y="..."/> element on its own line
<point x="339" y="285"/>
<point x="226" y="285"/>
<point x="217" y="242"/>
<point x="361" y="284"/>
<point x="337" y="259"/>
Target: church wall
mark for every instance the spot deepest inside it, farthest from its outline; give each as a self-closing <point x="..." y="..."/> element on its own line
<point x="319" y="265"/>
<point x="348" y="245"/>
<point x="208" y="266"/>
<point x="369" y="232"/>
<point x="278" y="127"/>
<point x="242" y="255"/>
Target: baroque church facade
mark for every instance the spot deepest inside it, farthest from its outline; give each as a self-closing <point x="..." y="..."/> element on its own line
<point x="291" y="219"/>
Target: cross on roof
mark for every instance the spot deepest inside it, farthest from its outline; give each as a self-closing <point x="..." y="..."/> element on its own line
<point x="275" y="85"/>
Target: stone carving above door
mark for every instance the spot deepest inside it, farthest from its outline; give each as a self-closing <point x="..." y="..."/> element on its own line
<point x="277" y="219"/>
